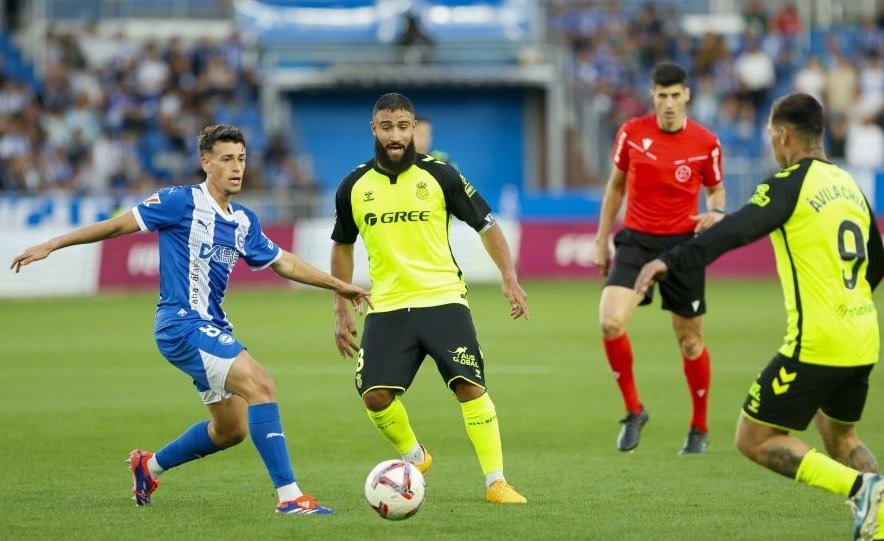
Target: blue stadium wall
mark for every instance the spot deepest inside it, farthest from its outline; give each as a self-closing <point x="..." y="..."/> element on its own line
<point x="482" y="130"/>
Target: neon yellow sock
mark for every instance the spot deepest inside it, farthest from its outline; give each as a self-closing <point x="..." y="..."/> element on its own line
<point x="480" y="419"/>
<point x="393" y="424"/>
<point x="821" y="471"/>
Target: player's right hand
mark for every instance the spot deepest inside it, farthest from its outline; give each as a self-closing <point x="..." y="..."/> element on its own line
<point x="357" y="296"/>
<point x="601" y="258"/>
<point x="34" y="253"/>
<point x="345" y="333"/>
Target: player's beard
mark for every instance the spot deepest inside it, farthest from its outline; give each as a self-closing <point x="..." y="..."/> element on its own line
<point x="395" y="167"/>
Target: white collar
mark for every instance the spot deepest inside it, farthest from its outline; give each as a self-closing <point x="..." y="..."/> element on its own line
<point x="224" y="214"/>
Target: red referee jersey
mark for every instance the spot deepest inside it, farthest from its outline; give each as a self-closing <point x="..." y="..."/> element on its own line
<point x="664" y="172"/>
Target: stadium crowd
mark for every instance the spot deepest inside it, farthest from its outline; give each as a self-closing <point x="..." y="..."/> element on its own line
<point x="734" y="77"/>
<point x="113" y="115"/>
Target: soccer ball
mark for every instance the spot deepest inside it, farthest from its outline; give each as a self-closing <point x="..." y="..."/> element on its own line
<point x="395" y="489"/>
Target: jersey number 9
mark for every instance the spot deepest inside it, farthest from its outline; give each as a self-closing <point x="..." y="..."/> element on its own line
<point x="857" y="255"/>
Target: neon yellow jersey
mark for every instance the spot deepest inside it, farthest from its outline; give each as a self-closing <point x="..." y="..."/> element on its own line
<point x="405" y="221"/>
<point x="821" y="261"/>
<point x="829" y="258"/>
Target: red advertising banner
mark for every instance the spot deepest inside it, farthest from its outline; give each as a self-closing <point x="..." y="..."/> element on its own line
<point x="565" y="249"/>
<point x="557" y="249"/>
<point x="132" y="262"/>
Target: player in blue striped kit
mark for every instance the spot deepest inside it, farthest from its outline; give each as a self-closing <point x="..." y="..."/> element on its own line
<point x="202" y="234"/>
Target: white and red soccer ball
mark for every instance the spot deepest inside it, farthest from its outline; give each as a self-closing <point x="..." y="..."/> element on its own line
<point x="395" y="489"/>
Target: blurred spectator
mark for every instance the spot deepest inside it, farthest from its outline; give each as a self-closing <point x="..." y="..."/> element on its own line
<point x="56" y="92"/>
<point x="787" y="21"/>
<point x="71" y="54"/>
<point x="14" y="141"/>
<point x="82" y="118"/>
<point x="836" y="137"/>
<point x="871" y="87"/>
<point x="756" y="73"/>
<point x="14" y="97"/>
<point x="11" y="15"/>
<point x="56" y="169"/>
<point x="414" y="42"/>
<point x="217" y="80"/>
<point x="869" y="37"/>
<point x="710" y="51"/>
<point x="233" y="50"/>
<point x="652" y="41"/>
<point x="811" y="79"/>
<point x="841" y="84"/>
<point x="755" y="17"/>
<point x="97" y="50"/>
<point x="704" y="102"/>
<point x="865" y="143"/>
<point x="282" y="170"/>
<point x="125" y="51"/>
<point x="151" y="73"/>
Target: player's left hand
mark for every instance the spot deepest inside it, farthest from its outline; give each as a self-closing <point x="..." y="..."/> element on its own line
<point x="705" y="220"/>
<point x="345" y="333"/>
<point x="649" y="275"/>
<point x="517" y="298"/>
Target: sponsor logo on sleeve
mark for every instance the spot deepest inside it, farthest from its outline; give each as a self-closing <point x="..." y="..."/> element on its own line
<point x="467" y="187"/>
<point x="760" y="196"/>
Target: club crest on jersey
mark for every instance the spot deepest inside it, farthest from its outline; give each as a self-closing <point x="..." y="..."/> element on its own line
<point x="683" y="173"/>
<point x="155" y="198"/>
<point x="422" y="191"/>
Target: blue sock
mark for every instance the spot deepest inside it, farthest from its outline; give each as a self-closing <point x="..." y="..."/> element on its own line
<point x="194" y="443"/>
<point x="268" y="437"/>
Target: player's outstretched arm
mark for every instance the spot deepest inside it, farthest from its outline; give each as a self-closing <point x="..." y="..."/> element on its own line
<point x="296" y="269"/>
<point x="496" y="246"/>
<point x="345" y="322"/>
<point x="648" y="275"/>
<point x="114" y="227"/>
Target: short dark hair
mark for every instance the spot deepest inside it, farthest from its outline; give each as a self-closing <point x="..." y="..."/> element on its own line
<point x="393" y="102"/>
<point x="669" y="73"/>
<point x="800" y="111"/>
<point x="212" y="135"/>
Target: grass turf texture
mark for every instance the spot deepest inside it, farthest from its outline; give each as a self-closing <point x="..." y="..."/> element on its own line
<point x="82" y="384"/>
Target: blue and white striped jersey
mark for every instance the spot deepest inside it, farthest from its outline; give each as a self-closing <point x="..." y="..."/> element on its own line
<point x="199" y="245"/>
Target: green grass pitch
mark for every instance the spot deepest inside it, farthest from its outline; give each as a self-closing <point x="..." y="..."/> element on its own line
<point x="81" y="384"/>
